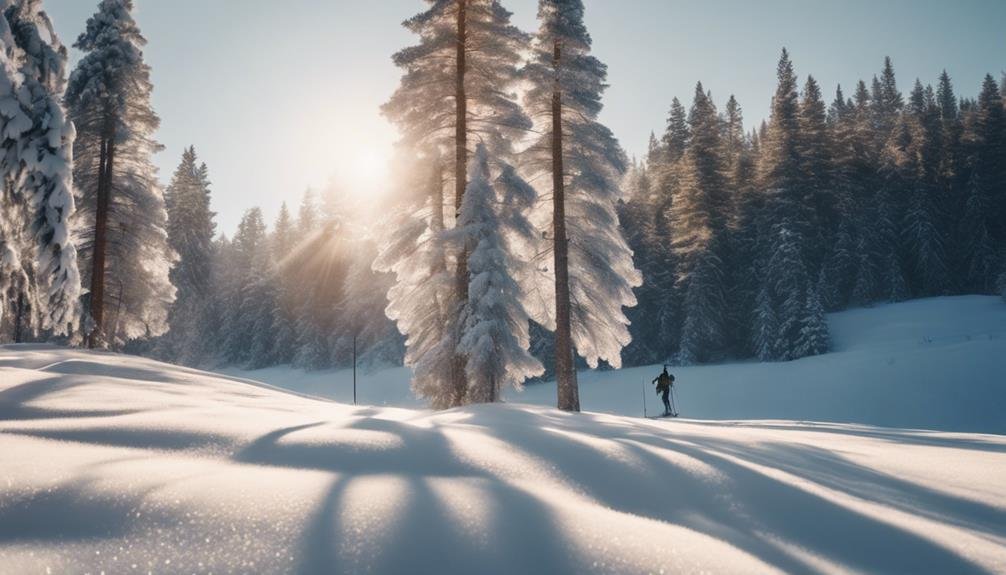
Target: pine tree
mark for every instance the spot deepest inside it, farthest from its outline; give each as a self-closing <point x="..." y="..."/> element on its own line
<point x="815" y="161"/>
<point x="423" y="301"/>
<point x="282" y="234"/>
<point x="248" y="310"/>
<point x="985" y="140"/>
<point x="594" y="274"/>
<point x="835" y="282"/>
<point x="283" y="242"/>
<point x="494" y="338"/>
<point x="122" y="220"/>
<point x="699" y="228"/>
<point x="307" y="215"/>
<point x="190" y="235"/>
<point x="458" y="89"/>
<point x="16" y="254"/>
<point x="788" y="200"/>
<point x="798" y="316"/>
<point x="766" y="335"/>
<point x="44" y="172"/>
<point x="980" y="257"/>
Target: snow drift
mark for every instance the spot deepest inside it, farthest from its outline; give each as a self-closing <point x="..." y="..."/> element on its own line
<point x="120" y="464"/>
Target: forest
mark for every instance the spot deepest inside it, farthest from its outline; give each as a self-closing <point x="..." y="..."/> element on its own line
<point x="519" y="242"/>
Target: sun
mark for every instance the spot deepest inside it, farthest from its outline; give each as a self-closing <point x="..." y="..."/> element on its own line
<point x="367" y="170"/>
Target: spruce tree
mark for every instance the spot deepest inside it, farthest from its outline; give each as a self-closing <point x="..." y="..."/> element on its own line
<point x="815" y="154"/>
<point x="699" y="236"/>
<point x="190" y="235"/>
<point x="283" y="242"/>
<point x="986" y="165"/>
<point x="42" y="168"/>
<point x="494" y="336"/>
<point x="122" y="216"/>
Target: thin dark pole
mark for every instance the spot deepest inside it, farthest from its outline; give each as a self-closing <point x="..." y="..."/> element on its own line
<point x="354" y="370"/>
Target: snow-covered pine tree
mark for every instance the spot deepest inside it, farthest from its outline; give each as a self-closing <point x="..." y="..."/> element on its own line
<point x="815" y="154"/>
<point x="494" y="338"/>
<point x="122" y="239"/>
<point x="190" y="234"/>
<point x="699" y="219"/>
<point x="592" y="264"/>
<point x="282" y="234"/>
<point x="665" y="167"/>
<point x="423" y="301"/>
<point x="838" y="272"/>
<point x="283" y="242"/>
<point x="789" y="200"/>
<point x="981" y="262"/>
<point x="16" y="255"/>
<point x="248" y="308"/>
<point x="766" y="334"/>
<point x="814" y="338"/>
<point x="792" y="197"/>
<point x="798" y="315"/>
<point x="985" y="191"/>
<point x="307" y="215"/>
<point x="638" y="217"/>
<point x="458" y="88"/>
<point x="46" y="162"/>
<point x="745" y="210"/>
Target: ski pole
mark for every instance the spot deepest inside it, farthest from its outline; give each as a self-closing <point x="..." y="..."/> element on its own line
<point x="644" y="399"/>
<point x="674" y="403"/>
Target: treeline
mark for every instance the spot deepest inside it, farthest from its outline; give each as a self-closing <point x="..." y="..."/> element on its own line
<point x="301" y="294"/>
<point x="746" y="239"/>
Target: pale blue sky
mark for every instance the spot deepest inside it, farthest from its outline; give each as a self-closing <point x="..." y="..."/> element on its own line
<point x="277" y="96"/>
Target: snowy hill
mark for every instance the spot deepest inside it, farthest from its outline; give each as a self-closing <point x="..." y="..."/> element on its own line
<point x="929" y="364"/>
<point x="120" y="464"/>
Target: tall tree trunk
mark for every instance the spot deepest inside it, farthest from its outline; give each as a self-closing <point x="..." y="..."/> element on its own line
<point x="100" y="245"/>
<point x="459" y="383"/>
<point x="565" y="375"/>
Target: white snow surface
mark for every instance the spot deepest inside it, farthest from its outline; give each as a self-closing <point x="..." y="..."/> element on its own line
<point x="936" y="364"/>
<point x="119" y="464"/>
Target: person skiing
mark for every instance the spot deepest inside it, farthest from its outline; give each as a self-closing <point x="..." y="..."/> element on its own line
<point x="664" y="382"/>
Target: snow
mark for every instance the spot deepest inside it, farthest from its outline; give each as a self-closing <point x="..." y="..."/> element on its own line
<point x="122" y="464"/>
<point x="927" y="364"/>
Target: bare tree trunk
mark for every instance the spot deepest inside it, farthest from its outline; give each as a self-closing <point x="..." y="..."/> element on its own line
<point x="565" y="375"/>
<point x="100" y="245"/>
<point x="459" y="382"/>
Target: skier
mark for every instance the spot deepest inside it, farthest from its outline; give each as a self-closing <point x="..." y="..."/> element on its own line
<point x="664" y="382"/>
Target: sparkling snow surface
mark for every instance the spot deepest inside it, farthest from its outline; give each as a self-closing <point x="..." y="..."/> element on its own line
<point x="119" y="465"/>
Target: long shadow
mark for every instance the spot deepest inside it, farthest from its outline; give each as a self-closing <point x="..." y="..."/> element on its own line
<point x="901" y="437"/>
<point x="750" y="503"/>
<point x="423" y="535"/>
<point x="836" y="472"/>
<point x="14" y="401"/>
<point x="62" y="514"/>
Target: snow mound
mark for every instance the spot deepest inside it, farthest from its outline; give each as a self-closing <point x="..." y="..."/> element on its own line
<point x="121" y="464"/>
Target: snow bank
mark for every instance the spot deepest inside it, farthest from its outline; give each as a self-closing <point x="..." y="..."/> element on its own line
<point x="929" y="364"/>
<point x="121" y="464"/>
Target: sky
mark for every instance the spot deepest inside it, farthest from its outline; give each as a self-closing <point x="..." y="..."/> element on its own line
<point x="281" y="96"/>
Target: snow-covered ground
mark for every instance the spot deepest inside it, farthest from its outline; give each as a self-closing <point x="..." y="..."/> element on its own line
<point x="124" y="465"/>
<point x="932" y="364"/>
